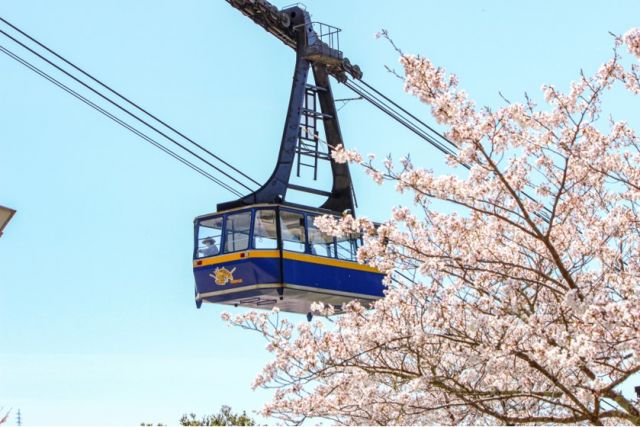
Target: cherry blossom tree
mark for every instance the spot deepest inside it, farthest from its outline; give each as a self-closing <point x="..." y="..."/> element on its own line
<point x="525" y="307"/>
<point x="4" y="418"/>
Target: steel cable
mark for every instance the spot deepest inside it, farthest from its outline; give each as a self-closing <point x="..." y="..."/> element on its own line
<point x="42" y="45"/>
<point x="118" y="120"/>
<point x="125" y="110"/>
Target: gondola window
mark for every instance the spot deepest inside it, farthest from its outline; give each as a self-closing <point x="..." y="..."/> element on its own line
<point x="292" y="229"/>
<point x="238" y="228"/>
<point x="264" y="229"/>
<point x="320" y="243"/>
<point x="347" y="247"/>
<point x="209" y="237"/>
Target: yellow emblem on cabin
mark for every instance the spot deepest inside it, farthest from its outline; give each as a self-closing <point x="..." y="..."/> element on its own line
<point x="222" y="276"/>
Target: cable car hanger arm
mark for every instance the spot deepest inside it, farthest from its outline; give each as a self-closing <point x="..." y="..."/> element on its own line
<point x="322" y="42"/>
<point x="316" y="47"/>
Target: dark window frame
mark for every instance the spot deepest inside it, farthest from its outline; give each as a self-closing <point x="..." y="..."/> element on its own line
<point x="307" y="217"/>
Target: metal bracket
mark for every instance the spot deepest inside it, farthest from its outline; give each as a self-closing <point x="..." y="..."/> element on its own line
<point x="341" y="197"/>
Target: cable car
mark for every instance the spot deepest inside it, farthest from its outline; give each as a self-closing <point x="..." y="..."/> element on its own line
<point x="273" y="255"/>
<point x="261" y="250"/>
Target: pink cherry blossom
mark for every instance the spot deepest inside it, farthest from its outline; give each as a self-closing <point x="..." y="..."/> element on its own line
<point x="520" y="305"/>
<point x="632" y="40"/>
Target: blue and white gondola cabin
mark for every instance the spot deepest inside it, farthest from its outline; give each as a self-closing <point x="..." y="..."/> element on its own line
<point x="273" y="255"/>
<point x="261" y="250"/>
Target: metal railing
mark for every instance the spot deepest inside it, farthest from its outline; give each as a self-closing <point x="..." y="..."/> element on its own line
<point x="327" y="34"/>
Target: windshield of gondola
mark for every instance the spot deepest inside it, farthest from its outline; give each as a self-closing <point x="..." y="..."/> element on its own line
<point x="209" y="237"/>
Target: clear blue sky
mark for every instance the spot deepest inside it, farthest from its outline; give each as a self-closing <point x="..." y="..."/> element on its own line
<point x="97" y="319"/>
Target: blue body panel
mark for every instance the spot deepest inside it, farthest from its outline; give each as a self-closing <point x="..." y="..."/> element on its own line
<point x="328" y="278"/>
<point x="256" y="281"/>
<point x="252" y="271"/>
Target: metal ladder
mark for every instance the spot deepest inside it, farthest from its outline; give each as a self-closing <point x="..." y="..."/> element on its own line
<point x="309" y="137"/>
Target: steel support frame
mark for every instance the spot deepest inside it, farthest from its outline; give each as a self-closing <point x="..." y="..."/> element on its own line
<point x="275" y="188"/>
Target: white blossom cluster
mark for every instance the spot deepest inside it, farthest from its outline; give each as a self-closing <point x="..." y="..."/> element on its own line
<point x="525" y="307"/>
